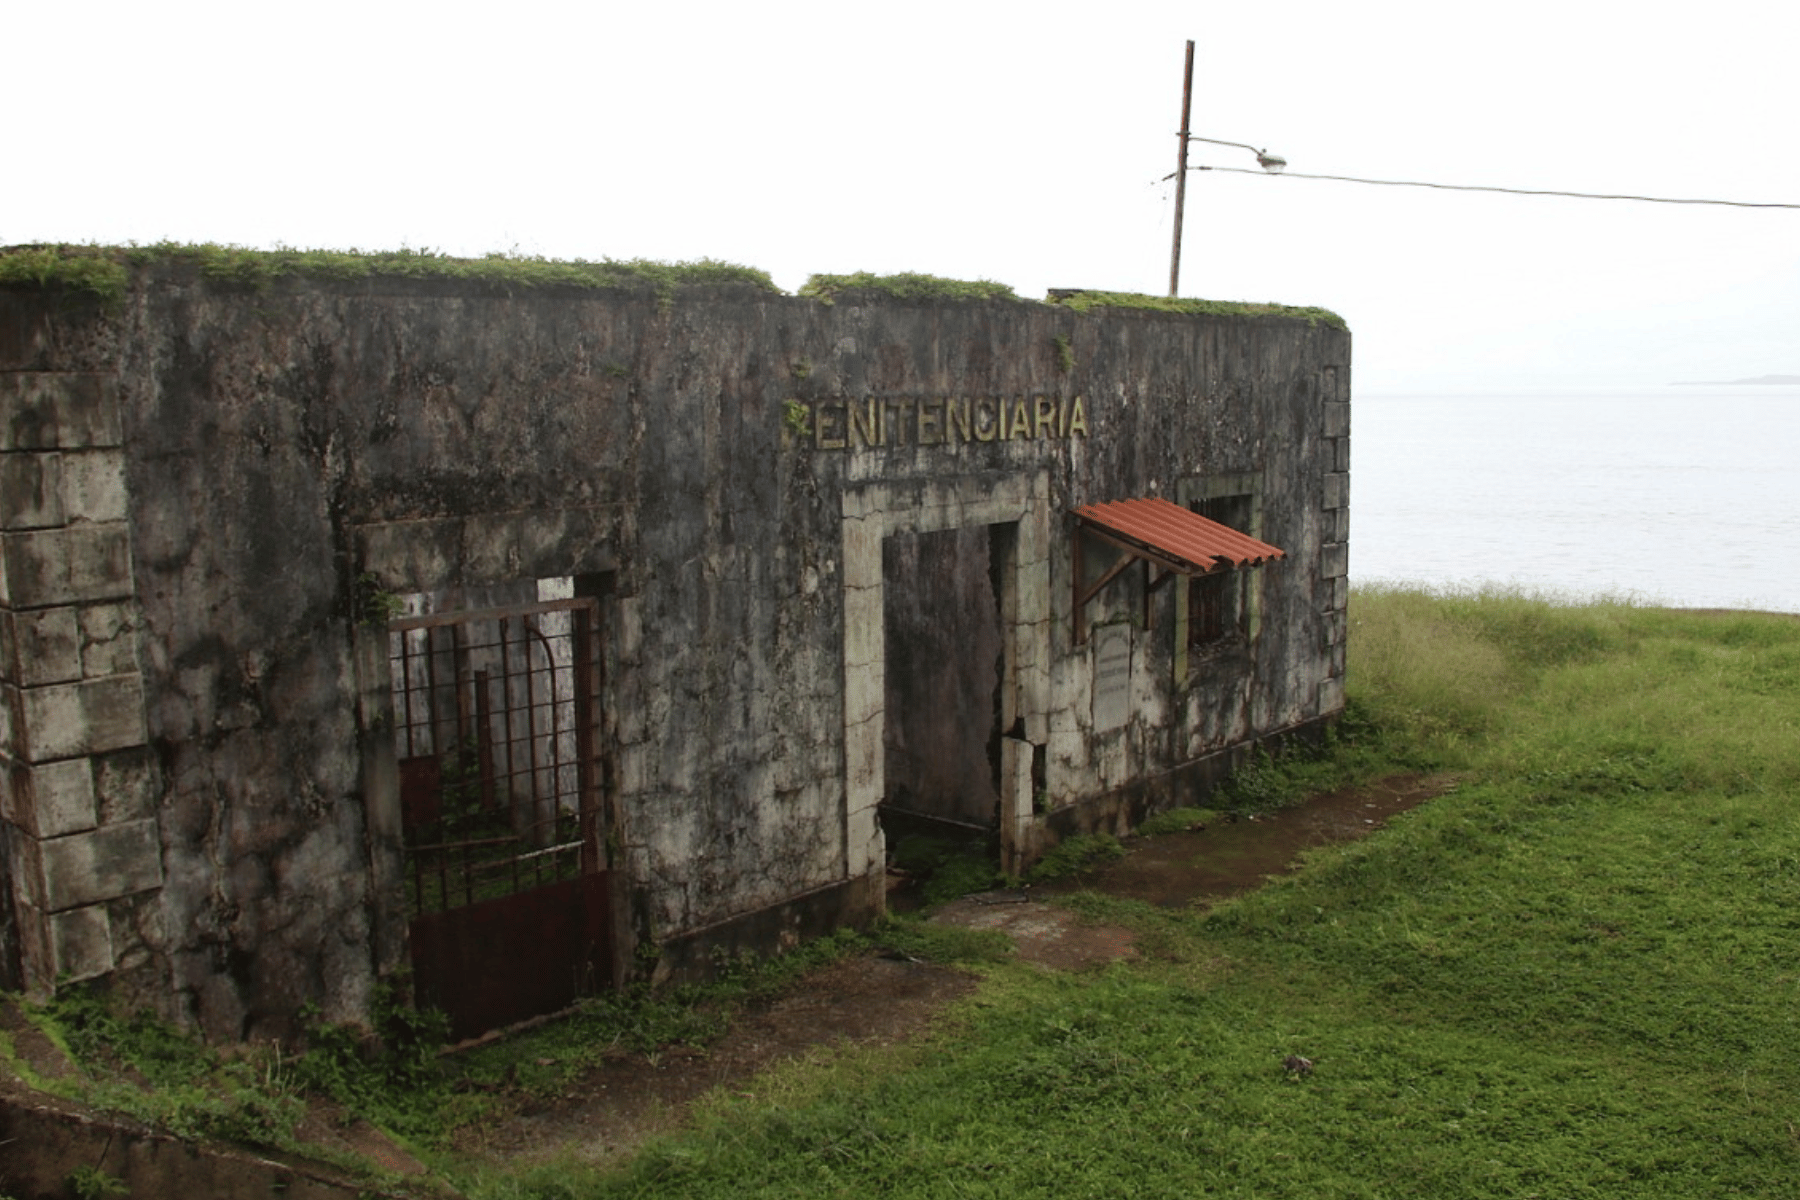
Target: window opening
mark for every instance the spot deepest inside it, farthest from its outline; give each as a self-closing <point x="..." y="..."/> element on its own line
<point x="1216" y="609"/>
<point x="1178" y="542"/>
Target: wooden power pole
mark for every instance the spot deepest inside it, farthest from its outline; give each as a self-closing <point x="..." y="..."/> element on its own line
<point x="1187" y="96"/>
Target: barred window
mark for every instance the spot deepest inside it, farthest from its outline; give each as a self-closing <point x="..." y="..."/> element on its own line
<point x="1216" y="607"/>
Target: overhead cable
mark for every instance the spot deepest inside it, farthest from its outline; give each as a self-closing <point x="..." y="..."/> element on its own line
<point x="1463" y="187"/>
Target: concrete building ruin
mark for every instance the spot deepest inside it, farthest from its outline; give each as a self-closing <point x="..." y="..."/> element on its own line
<point x="543" y="639"/>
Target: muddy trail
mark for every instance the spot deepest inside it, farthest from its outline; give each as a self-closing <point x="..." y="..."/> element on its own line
<point x="875" y="1000"/>
<point x="1230" y="855"/>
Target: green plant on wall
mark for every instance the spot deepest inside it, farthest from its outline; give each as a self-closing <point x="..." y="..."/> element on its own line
<point x="797" y="417"/>
<point x="376" y="606"/>
<point x="1065" y="353"/>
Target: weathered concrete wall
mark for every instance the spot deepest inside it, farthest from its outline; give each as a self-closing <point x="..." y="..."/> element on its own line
<point x="729" y="463"/>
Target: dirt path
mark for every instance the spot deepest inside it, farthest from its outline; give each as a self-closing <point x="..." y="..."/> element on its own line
<point x="1229" y="856"/>
<point x="881" y="1001"/>
<point x="868" y="1000"/>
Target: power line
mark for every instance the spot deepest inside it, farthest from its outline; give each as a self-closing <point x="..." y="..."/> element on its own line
<point x="1463" y="187"/>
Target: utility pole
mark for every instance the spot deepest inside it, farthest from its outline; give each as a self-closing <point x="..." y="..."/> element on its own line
<point x="1187" y="96"/>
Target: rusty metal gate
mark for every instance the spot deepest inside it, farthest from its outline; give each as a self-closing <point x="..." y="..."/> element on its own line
<point x="496" y="717"/>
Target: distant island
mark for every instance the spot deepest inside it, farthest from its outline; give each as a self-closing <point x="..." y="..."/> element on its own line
<point x="1789" y="379"/>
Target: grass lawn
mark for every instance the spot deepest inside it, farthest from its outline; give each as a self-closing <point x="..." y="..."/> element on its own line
<point x="1575" y="976"/>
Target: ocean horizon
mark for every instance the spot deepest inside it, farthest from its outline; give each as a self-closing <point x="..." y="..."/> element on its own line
<point x="1685" y="495"/>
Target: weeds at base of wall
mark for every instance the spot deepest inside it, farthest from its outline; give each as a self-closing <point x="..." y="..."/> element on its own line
<point x="944" y="868"/>
<point x="947" y="870"/>
<point x="1178" y="820"/>
<point x="1356" y="748"/>
<point x="91" y="1183"/>
<point x="389" y="1075"/>
<point x="395" y="1075"/>
<point x="542" y="1062"/>
<point x="145" y="1069"/>
<point x="1073" y="855"/>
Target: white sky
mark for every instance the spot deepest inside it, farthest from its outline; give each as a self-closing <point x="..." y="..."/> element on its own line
<point x="1021" y="142"/>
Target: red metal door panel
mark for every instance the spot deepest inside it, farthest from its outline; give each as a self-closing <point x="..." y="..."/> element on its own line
<point x="501" y="961"/>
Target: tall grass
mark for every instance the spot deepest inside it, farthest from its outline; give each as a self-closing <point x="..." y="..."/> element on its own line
<point x="1577" y="975"/>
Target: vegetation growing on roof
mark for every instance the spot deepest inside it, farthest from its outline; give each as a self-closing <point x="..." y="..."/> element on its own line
<point x="103" y="270"/>
<point x="1083" y="301"/>
<point x="92" y="269"/>
<point x="906" y="286"/>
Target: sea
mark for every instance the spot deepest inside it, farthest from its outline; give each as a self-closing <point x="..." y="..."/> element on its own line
<point x="1685" y="495"/>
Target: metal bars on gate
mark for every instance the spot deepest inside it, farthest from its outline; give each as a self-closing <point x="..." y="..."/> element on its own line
<point x="495" y="715"/>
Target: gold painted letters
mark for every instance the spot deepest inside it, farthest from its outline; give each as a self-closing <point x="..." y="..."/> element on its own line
<point x="877" y="422"/>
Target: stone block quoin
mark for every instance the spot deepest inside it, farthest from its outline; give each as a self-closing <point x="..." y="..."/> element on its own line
<point x="71" y="693"/>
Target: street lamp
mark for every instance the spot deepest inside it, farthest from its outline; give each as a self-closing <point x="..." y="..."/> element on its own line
<point x="1274" y="164"/>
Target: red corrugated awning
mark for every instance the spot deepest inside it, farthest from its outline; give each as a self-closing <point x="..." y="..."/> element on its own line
<point x="1162" y="535"/>
<point x="1174" y="538"/>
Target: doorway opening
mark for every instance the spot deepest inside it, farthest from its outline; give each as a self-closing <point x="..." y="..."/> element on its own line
<point x="496" y="731"/>
<point x="947" y="688"/>
<point x="1008" y="540"/>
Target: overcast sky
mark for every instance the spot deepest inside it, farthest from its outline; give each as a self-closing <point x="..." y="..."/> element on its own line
<point x="1021" y="142"/>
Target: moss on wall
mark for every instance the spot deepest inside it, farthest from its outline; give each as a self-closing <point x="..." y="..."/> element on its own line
<point x="1085" y="301"/>
<point x="105" y="270"/>
<point x="93" y="269"/>
<point x="906" y="286"/>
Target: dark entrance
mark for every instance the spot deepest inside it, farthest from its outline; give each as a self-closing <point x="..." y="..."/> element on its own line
<point x="945" y="665"/>
<point x="495" y="726"/>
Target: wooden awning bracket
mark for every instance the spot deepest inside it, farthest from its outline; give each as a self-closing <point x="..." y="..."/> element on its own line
<point x="1132" y="553"/>
<point x="1168" y="538"/>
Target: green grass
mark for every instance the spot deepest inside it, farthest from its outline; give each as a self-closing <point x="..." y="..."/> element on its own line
<point x="1073" y="855"/>
<point x="394" y="1075"/>
<point x="145" y="1069"/>
<point x="1177" y="820"/>
<point x="1576" y="975"/>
